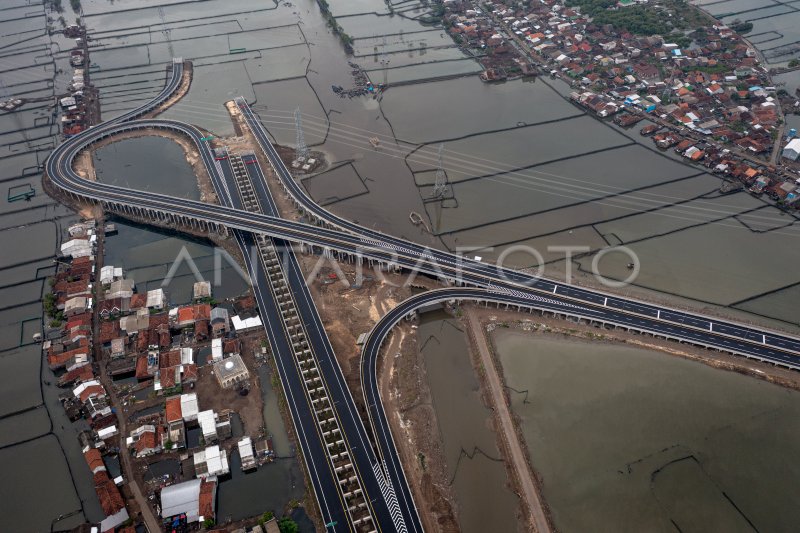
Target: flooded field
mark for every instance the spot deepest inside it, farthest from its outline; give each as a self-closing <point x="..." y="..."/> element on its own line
<point x="627" y="439"/>
<point x="473" y="460"/>
<point x="526" y="167"/>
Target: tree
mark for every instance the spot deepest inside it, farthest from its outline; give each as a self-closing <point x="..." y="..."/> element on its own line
<point x="49" y="304"/>
<point x="287" y="525"/>
<point x="266" y="517"/>
<point x="794" y="63"/>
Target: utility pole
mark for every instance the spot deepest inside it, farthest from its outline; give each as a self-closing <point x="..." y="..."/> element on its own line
<point x="301" y="150"/>
<point x="166" y="31"/>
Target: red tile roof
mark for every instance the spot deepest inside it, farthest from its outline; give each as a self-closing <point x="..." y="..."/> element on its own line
<point x="81" y="373"/>
<point x="93" y="391"/>
<point x="202" y="312"/>
<point x="110" y="499"/>
<point x="58" y="360"/>
<point x="167" y="377"/>
<point x="112" y="306"/>
<point x="152" y="337"/>
<point x="185" y="315"/>
<point x="141" y="367"/>
<point x="148" y="441"/>
<point x="201" y="328"/>
<point x="173" y="409"/>
<point x="94" y="460"/>
<point x="207" y="489"/>
<point x="142" y="341"/>
<point x="169" y="359"/>
<point x="158" y="320"/>
<point x="83" y="319"/>
<point x="189" y="373"/>
<point x="232" y="346"/>
<point x="138" y="301"/>
<point x="108" y="331"/>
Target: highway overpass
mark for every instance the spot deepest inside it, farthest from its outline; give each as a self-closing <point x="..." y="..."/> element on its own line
<point x="379" y="470"/>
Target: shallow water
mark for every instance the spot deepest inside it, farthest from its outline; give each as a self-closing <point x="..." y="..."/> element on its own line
<point x="636" y="440"/>
<point x="473" y="460"/>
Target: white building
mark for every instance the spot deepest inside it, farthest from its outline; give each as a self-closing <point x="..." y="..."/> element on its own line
<point x="246" y="324"/>
<point x="194" y="498"/>
<point x="110" y="273"/>
<point x="121" y="288"/>
<point x="792" y="150"/>
<point x="202" y="289"/>
<point x="246" y="454"/>
<point x="182" y="498"/>
<point x="77" y="248"/>
<point x="216" y="349"/>
<point x="189" y="408"/>
<point x="211" y="462"/>
<point x="156" y="299"/>
<point x="208" y="425"/>
<point x="77" y="305"/>
<point x="230" y="371"/>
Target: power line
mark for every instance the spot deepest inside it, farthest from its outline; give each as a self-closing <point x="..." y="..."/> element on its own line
<point x="166" y="31"/>
<point x="538" y="183"/>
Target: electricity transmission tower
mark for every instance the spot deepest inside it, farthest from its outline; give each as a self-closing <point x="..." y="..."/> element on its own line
<point x="301" y="150"/>
<point x="166" y="31"/>
<point x="440" y="185"/>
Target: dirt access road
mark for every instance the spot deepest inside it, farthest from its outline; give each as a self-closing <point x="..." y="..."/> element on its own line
<point x="516" y="453"/>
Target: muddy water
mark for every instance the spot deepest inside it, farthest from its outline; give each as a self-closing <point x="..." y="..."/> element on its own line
<point x="477" y="475"/>
<point x="291" y="40"/>
<point x="154" y="164"/>
<point x="627" y="439"/>
<point x="557" y="180"/>
<point x="270" y="488"/>
<point x="156" y="259"/>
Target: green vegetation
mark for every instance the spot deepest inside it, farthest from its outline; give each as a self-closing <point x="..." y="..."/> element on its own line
<point x="794" y="63"/>
<point x="208" y="523"/>
<point x="347" y="40"/>
<point x="287" y="525"/>
<point x="49" y="304"/>
<point x="266" y="517"/>
<point x="719" y="68"/>
<point x="646" y="20"/>
<point x="435" y="16"/>
<point x="635" y="19"/>
<point x="76" y="5"/>
<point x="169" y="445"/>
<point x="678" y="38"/>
